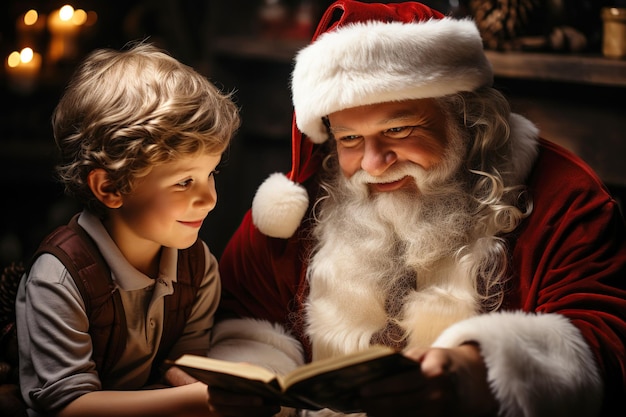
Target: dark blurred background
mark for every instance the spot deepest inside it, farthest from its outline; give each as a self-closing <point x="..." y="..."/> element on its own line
<point x="32" y="200"/>
<point x="575" y="95"/>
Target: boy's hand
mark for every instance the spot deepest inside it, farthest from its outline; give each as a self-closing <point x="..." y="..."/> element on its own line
<point x="176" y="377"/>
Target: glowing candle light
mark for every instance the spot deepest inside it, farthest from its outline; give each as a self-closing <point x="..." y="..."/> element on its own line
<point x="64" y="30"/>
<point x="79" y="17"/>
<point x="22" y="69"/>
<point x="30" y="27"/>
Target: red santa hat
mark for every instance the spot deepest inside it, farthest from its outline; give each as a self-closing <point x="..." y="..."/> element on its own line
<point x="365" y="53"/>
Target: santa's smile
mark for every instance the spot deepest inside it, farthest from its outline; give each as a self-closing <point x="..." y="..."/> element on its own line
<point x="384" y="187"/>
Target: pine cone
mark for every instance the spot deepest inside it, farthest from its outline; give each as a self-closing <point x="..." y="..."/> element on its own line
<point x="501" y="22"/>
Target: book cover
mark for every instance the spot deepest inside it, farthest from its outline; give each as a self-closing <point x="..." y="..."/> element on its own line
<point x="330" y="383"/>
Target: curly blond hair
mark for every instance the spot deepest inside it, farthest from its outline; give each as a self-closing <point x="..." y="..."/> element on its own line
<point x="125" y="111"/>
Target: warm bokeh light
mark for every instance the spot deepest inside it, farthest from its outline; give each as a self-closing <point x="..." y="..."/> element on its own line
<point x="30" y="17"/>
<point x="66" y="12"/>
<point x="23" y="57"/>
<point x="14" y="59"/>
<point x="79" y="17"/>
<point x="92" y="18"/>
<point x="26" y="55"/>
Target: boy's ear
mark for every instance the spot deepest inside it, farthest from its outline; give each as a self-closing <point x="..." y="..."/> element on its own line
<point x="102" y="188"/>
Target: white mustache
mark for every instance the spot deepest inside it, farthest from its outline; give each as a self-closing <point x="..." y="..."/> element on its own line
<point x="396" y="173"/>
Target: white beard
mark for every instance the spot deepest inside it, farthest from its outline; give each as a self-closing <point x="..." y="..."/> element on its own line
<point x="369" y="243"/>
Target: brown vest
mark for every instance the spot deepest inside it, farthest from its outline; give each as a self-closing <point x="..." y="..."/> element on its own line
<point x="107" y="320"/>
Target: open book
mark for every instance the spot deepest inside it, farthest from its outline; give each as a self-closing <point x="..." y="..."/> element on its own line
<point x="330" y="383"/>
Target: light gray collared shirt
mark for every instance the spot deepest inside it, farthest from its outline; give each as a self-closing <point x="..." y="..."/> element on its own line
<point x="54" y="342"/>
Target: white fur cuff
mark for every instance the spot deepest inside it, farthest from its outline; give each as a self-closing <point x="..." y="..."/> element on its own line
<point x="538" y="365"/>
<point x="256" y="341"/>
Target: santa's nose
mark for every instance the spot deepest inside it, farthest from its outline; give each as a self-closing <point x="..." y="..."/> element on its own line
<point x="377" y="157"/>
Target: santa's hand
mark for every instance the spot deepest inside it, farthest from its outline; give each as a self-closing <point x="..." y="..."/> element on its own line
<point x="450" y="382"/>
<point x="230" y="404"/>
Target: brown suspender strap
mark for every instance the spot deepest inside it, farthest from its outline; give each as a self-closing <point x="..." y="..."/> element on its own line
<point x="92" y="276"/>
<point x="190" y="273"/>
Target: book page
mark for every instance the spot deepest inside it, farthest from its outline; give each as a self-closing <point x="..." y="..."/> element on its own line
<point x="339" y="389"/>
<point x="330" y="364"/>
<point x="330" y="383"/>
<point x="241" y="369"/>
<point x="239" y="377"/>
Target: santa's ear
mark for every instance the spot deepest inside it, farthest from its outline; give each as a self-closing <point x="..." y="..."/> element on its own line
<point x="101" y="187"/>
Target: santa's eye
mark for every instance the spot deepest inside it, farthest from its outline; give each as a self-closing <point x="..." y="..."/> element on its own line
<point x="400" y="132"/>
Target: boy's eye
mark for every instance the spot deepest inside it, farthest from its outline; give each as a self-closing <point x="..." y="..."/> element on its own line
<point x="214" y="173"/>
<point x="185" y="184"/>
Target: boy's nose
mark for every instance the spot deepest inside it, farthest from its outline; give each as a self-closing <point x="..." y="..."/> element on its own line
<point x="207" y="197"/>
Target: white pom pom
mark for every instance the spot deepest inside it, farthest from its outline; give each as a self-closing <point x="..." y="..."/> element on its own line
<point x="279" y="206"/>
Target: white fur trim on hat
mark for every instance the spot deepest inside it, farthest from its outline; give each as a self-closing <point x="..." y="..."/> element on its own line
<point x="375" y="62"/>
<point x="279" y="206"/>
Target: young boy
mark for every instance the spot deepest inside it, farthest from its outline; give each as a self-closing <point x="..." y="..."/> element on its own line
<point x="140" y="136"/>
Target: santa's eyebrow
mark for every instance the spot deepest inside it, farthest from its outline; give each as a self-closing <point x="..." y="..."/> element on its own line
<point x="399" y="117"/>
<point x="338" y="129"/>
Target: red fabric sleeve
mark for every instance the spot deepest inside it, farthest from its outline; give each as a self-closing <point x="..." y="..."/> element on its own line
<point x="261" y="277"/>
<point x="570" y="258"/>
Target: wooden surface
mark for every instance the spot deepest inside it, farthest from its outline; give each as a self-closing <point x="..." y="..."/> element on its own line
<point x="583" y="69"/>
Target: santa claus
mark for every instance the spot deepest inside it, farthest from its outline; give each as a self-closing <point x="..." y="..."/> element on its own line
<point x="421" y="213"/>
